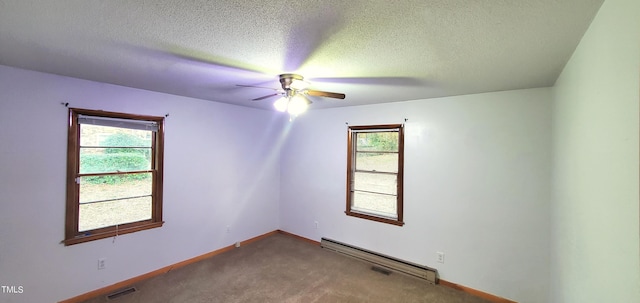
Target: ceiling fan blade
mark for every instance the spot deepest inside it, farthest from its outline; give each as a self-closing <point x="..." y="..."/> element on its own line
<point x="254" y="86"/>
<point x="318" y="93"/>
<point x="213" y="60"/>
<point x="265" y="97"/>
<point x="400" y="81"/>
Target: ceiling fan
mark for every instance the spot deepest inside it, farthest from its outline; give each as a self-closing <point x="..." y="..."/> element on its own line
<point x="293" y="94"/>
<point x="294" y="89"/>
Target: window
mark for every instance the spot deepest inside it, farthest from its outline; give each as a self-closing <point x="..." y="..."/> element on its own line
<point x="114" y="174"/>
<point x="374" y="172"/>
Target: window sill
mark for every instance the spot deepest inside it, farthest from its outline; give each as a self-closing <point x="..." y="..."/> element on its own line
<point x="82" y="237"/>
<point x="374" y="218"/>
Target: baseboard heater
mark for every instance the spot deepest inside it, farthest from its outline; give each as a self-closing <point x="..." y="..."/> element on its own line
<point x="423" y="272"/>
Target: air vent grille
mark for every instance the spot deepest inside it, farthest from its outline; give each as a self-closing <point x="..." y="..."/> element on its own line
<point x="120" y="293"/>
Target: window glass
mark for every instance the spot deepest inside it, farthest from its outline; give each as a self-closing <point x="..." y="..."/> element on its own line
<point x="113" y="212"/>
<point x="386" y="162"/>
<point x="375" y="204"/>
<point x="375" y="183"/>
<point x="114" y="182"/>
<point x="375" y="173"/>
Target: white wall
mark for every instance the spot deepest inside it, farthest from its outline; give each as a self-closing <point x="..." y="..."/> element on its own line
<point x="221" y="168"/>
<point x="595" y="243"/>
<point x="477" y="187"/>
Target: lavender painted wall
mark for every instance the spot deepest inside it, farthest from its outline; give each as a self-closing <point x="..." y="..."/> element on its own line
<point x="221" y="168"/>
<point x="477" y="187"/>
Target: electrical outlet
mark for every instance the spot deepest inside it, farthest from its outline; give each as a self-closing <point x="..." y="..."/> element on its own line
<point x="228" y="228"/>
<point x="440" y="257"/>
<point x="237" y="244"/>
<point x="317" y="224"/>
<point x="102" y="263"/>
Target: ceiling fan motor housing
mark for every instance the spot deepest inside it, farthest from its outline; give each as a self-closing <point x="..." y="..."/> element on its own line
<point x="293" y="85"/>
<point x="287" y="79"/>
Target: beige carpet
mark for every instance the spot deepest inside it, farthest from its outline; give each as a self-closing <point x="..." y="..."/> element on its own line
<point x="281" y="268"/>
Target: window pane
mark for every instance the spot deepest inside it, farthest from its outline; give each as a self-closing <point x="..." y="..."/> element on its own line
<point x="379" y="183"/>
<point x="377" y="141"/>
<point x="99" y="188"/>
<point x="114" y="199"/>
<point x="106" y="160"/>
<point x="374" y="173"/>
<point x="375" y="204"/>
<point x="105" y="136"/>
<point x="112" y="149"/>
<point x="114" y="174"/>
<point x="377" y="162"/>
<point x="97" y="215"/>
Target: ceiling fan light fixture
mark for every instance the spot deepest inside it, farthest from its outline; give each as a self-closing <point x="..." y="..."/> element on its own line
<point x="299" y="84"/>
<point x="294" y="92"/>
<point x="297" y="104"/>
<point x="281" y="104"/>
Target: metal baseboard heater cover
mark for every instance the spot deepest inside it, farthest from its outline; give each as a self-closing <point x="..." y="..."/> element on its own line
<point x="423" y="272"/>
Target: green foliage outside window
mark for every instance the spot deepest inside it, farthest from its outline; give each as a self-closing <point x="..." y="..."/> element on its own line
<point x="378" y="141"/>
<point x="122" y="154"/>
<point x="126" y="140"/>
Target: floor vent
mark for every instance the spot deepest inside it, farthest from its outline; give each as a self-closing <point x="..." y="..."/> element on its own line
<point x="427" y="273"/>
<point x="120" y="293"/>
<point x="381" y="270"/>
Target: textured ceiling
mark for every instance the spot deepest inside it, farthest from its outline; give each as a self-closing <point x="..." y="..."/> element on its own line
<point x="373" y="51"/>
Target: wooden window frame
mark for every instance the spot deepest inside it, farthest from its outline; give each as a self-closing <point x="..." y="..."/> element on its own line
<point x="72" y="234"/>
<point x="351" y="155"/>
